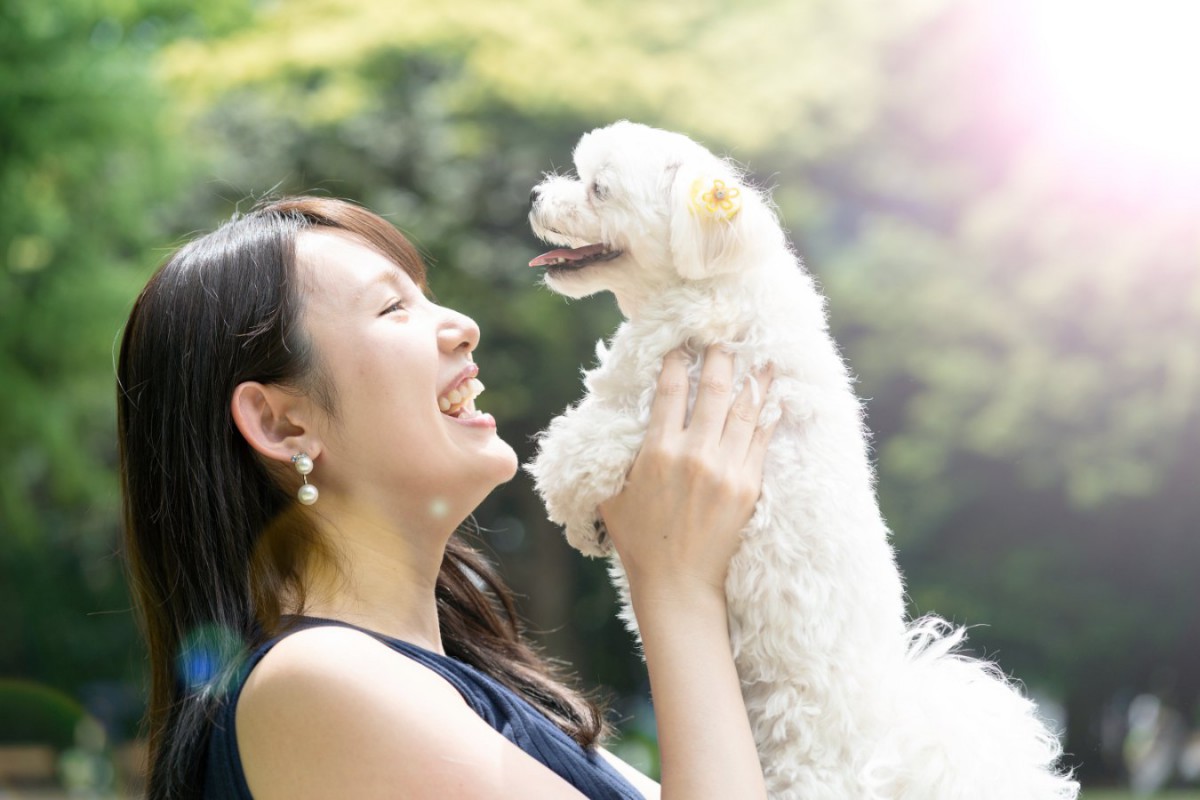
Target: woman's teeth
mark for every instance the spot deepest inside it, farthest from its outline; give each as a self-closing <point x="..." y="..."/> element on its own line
<point x="457" y="402"/>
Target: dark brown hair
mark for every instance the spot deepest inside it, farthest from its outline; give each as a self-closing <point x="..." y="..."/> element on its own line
<point x="213" y="543"/>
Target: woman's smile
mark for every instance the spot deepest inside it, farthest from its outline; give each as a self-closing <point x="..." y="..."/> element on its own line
<point x="458" y="400"/>
<point x="458" y="403"/>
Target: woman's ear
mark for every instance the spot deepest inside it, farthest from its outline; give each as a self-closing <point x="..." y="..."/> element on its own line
<point x="270" y="420"/>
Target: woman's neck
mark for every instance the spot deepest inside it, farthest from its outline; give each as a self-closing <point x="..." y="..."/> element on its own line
<point x="385" y="580"/>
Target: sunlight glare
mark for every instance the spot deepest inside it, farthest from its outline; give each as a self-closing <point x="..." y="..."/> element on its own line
<point x="1123" y="76"/>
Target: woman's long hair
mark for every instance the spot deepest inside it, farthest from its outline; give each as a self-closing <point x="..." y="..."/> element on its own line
<point x="213" y="543"/>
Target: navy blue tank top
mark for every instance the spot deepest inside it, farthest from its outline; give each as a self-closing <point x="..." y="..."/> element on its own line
<point x="499" y="706"/>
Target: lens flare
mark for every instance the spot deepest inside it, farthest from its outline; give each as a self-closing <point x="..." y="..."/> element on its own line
<point x="438" y="508"/>
<point x="208" y="657"/>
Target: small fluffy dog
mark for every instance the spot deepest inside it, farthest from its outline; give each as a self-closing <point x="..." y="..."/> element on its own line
<point x="846" y="699"/>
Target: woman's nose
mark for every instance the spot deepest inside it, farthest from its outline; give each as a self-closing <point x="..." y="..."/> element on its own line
<point x="458" y="332"/>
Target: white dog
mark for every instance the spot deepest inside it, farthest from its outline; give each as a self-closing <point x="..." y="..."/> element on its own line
<point x="846" y="700"/>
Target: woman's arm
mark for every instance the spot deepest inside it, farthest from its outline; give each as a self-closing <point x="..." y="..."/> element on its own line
<point x="676" y="524"/>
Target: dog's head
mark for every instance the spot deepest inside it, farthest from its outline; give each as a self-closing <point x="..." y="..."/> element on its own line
<point x="649" y="209"/>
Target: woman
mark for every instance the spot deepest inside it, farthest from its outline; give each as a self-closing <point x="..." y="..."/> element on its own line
<point x="299" y="445"/>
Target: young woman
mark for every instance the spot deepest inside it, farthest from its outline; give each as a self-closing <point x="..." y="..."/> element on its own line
<point x="299" y="445"/>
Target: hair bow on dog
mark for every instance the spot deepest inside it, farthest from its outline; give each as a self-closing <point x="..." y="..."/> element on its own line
<point x="711" y="197"/>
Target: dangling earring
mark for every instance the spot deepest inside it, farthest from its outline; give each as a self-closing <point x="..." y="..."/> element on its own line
<point x="304" y="465"/>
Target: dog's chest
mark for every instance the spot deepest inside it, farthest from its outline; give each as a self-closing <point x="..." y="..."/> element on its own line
<point x="627" y="375"/>
<point x="689" y="317"/>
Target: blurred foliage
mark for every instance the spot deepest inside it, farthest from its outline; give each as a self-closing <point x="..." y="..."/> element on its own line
<point x="1025" y="323"/>
<point x="89" y="172"/>
<point x="709" y="67"/>
<point x="1045" y="311"/>
<point x="34" y="713"/>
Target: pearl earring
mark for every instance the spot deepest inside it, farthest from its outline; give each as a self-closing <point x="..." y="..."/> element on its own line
<point x="304" y="465"/>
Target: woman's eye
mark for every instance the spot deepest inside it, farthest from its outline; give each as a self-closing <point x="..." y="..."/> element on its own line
<point x="396" y="305"/>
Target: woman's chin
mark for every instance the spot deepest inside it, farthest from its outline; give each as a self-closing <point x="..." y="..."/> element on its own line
<point x="507" y="464"/>
<point x="478" y="475"/>
<point x="495" y="465"/>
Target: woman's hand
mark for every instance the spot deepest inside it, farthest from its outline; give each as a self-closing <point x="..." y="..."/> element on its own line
<point x="675" y="525"/>
<point x="694" y="484"/>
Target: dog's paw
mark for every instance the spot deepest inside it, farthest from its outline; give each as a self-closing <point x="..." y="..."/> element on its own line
<point x="590" y="539"/>
<point x="582" y="461"/>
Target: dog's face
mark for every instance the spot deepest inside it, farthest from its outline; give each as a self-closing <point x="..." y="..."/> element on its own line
<point x="648" y="209"/>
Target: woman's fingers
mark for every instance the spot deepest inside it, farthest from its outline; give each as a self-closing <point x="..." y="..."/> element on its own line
<point x="757" y="454"/>
<point x="668" y="410"/>
<point x="713" y="395"/>
<point x="742" y="420"/>
<point x="718" y="420"/>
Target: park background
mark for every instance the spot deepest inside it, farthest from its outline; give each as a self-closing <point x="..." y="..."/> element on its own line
<point x="1000" y="199"/>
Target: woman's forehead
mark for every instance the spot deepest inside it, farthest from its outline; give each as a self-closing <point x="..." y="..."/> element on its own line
<point x="342" y="267"/>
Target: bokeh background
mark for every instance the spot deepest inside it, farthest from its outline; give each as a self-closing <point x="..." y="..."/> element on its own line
<point x="1001" y="199"/>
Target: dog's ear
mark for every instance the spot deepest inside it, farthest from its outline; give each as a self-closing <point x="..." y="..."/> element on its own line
<point x="712" y="214"/>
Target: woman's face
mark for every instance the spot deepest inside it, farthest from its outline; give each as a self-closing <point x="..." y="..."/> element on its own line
<point x="391" y="354"/>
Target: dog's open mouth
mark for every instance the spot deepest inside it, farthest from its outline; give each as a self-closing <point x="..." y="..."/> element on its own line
<point x="574" y="258"/>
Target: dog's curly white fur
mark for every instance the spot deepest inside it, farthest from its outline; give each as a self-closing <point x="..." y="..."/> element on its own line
<point x="846" y="700"/>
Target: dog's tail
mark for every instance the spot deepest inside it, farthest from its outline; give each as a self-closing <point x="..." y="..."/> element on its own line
<point x="964" y="730"/>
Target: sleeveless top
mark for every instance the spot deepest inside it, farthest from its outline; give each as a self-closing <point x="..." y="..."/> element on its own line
<point x="499" y="706"/>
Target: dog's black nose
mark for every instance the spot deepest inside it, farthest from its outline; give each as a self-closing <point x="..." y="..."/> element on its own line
<point x="533" y="196"/>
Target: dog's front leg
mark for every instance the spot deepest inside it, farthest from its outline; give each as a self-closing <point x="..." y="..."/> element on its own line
<point x="582" y="460"/>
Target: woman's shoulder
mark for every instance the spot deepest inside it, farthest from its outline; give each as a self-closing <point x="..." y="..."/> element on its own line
<point x="329" y="707"/>
<point x="320" y="690"/>
<point x="336" y="657"/>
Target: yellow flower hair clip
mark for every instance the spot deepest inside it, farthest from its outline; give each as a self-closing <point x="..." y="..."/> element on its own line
<point x="711" y="196"/>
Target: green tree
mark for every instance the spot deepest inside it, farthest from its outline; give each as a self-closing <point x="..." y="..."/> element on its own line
<point x="89" y="173"/>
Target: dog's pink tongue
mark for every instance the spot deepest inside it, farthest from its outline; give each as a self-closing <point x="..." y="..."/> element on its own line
<point x="569" y="254"/>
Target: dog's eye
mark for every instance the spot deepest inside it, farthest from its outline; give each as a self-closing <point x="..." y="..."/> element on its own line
<point x="598" y="191"/>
